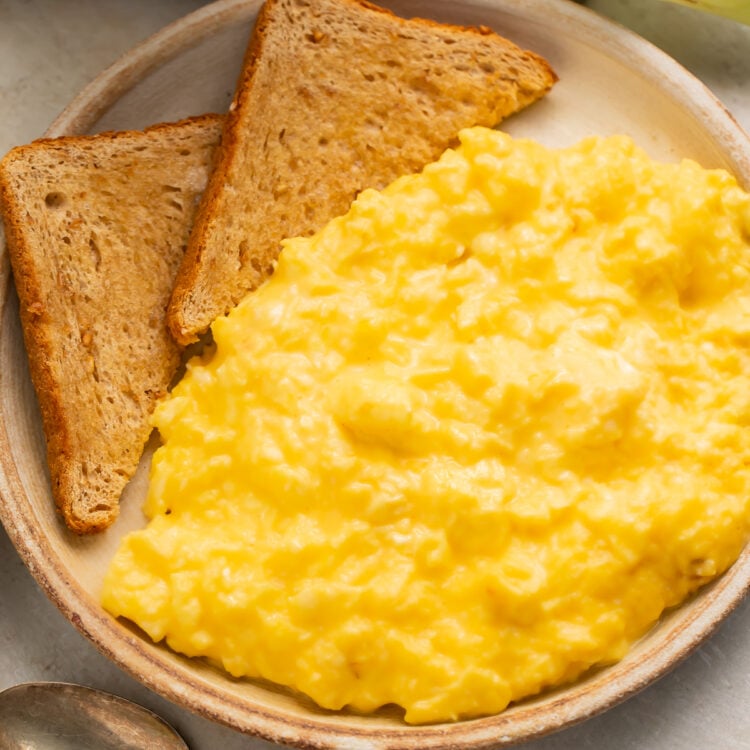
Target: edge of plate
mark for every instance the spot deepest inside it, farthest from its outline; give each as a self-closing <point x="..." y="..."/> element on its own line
<point x="93" y="101"/>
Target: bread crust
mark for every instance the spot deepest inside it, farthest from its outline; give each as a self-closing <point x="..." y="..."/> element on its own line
<point x="202" y="293"/>
<point x="87" y="479"/>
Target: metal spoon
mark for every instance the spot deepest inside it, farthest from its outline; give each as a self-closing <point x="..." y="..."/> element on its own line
<point x="61" y="716"/>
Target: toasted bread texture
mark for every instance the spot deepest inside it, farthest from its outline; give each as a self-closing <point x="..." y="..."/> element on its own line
<point x="96" y="227"/>
<point x="335" y="96"/>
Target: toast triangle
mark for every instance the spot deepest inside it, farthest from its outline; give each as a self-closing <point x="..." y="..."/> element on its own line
<point x="334" y="96"/>
<point x="96" y="227"/>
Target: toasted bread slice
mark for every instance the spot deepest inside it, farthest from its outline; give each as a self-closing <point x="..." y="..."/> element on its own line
<point x="96" y="227"/>
<point x="334" y="96"/>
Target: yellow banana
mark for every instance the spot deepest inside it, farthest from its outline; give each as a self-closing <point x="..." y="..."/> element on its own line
<point x="739" y="10"/>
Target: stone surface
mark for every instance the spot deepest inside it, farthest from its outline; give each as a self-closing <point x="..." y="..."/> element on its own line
<point x="49" y="49"/>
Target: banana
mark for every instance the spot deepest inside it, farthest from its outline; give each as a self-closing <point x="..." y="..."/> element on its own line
<point x="739" y="10"/>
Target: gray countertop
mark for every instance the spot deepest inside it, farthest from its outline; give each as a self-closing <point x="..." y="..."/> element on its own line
<point x="49" y="49"/>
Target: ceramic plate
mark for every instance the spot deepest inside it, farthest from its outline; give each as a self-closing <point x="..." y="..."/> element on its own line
<point x="611" y="81"/>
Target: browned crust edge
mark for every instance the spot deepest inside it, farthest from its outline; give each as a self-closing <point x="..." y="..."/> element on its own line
<point x="108" y="135"/>
<point x="38" y="344"/>
<point x="187" y="275"/>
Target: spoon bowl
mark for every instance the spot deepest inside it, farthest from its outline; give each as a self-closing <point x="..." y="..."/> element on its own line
<point x="63" y="716"/>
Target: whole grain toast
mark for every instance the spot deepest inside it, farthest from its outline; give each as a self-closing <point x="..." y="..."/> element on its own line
<point x="334" y="96"/>
<point x="96" y="227"/>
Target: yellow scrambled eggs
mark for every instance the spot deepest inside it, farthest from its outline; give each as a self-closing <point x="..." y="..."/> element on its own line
<point x="469" y="440"/>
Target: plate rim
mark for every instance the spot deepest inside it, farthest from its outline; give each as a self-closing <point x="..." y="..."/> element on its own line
<point x="134" y="655"/>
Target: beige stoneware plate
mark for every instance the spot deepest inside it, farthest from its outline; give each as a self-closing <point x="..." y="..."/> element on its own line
<point x="611" y="81"/>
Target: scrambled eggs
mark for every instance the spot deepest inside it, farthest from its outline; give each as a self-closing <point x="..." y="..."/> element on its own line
<point x="469" y="440"/>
